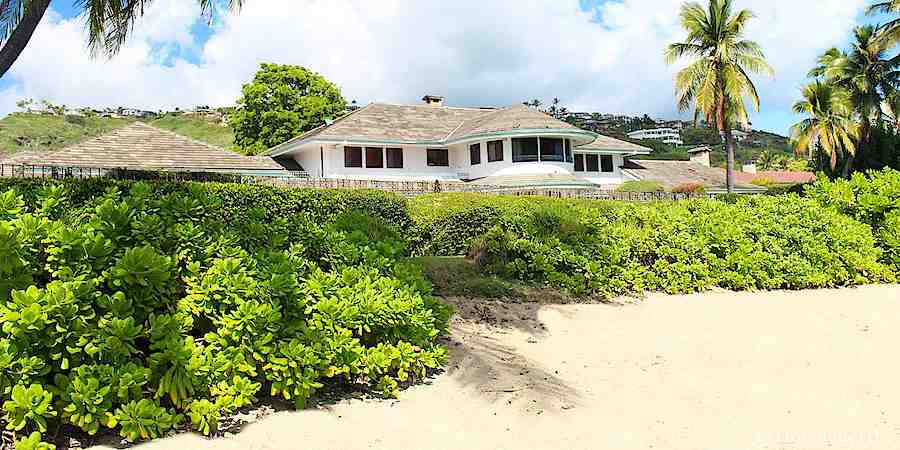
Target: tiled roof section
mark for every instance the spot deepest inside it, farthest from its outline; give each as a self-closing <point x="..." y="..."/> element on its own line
<point x="784" y="177"/>
<point x="519" y="117"/>
<point x="610" y="143"/>
<point x="671" y="174"/>
<point x="406" y="123"/>
<point x="140" y="146"/>
<point x="379" y="122"/>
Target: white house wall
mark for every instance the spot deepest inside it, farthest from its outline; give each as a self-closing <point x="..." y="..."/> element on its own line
<point x="415" y="167"/>
<point x="606" y="178"/>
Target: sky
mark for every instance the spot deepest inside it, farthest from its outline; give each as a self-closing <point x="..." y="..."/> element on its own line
<point x="594" y="55"/>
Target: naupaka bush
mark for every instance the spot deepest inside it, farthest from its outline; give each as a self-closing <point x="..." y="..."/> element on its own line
<point x="142" y="307"/>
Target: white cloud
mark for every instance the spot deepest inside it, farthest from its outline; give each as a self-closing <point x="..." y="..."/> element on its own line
<point x="475" y="52"/>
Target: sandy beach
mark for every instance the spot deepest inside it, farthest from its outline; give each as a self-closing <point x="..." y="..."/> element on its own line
<point x="779" y="370"/>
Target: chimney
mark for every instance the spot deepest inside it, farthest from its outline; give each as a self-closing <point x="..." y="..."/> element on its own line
<point x="433" y="100"/>
<point x="700" y="155"/>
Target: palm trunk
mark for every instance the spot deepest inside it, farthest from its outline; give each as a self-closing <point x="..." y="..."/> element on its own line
<point x="729" y="158"/>
<point x="20" y="36"/>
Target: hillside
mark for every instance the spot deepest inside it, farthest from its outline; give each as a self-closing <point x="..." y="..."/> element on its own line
<point x="28" y="131"/>
<point x="22" y="131"/>
<point x="198" y="128"/>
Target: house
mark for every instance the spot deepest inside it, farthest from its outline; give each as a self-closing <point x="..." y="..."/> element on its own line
<point x="431" y="141"/>
<point x="666" y="135"/>
<point x="140" y="114"/>
<point x="139" y="146"/>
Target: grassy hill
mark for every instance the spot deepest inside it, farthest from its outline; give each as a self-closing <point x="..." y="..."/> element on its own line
<point x="25" y="131"/>
<point x="21" y="131"/>
<point x="203" y="130"/>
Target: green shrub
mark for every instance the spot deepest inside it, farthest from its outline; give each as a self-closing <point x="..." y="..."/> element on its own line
<point x="677" y="247"/>
<point x="689" y="188"/>
<point x="641" y="186"/>
<point x="133" y="306"/>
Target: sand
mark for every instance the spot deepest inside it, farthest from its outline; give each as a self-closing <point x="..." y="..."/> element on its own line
<point x="782" y="370"/>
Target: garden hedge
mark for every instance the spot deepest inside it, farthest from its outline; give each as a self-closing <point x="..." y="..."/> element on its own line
<point x="142" y="307"/>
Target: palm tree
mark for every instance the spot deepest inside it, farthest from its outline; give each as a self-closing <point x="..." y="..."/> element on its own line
<point x="889" y="32"/>
<point x="866" y="75"/>
<point x="828" y="126"/>
<point x="716" y="83"/>
<point x="109" y="22"/>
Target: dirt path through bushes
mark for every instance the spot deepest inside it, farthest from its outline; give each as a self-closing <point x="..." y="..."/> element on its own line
<point x="784" y="370"/>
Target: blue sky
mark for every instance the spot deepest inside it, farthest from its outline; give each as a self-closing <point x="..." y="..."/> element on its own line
<point x="595" y="55"/>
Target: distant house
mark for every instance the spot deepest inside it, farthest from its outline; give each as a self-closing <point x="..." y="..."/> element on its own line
<point x="666" y="135"/>
<point x="136" y="113"/>
<point x="142" y="147"/>
<point x="431" y="141"/>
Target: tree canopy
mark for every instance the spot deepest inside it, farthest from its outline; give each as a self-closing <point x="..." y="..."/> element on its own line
<point x="282" y="102"/>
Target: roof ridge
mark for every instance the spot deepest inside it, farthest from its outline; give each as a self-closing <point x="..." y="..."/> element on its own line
<point x="469" y="108"/>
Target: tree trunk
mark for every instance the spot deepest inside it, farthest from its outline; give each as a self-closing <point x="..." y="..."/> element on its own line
<point x="848" y="165"/>
<point x="729" y="158"/>
<point x="20" y="36"/>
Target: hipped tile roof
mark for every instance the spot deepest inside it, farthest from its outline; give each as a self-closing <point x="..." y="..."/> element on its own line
<point x="143" y="147"/>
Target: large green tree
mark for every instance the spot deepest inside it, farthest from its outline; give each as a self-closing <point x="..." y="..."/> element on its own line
<point x="282" y="102"/>
<point x="717" y="82"/>
<point x="828" y="128"/>
<point x="868" y="75"/>
<point x="109" y="22"/>
<point x="889" y="33"/>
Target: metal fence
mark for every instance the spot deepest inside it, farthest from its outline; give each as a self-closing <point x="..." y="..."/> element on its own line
<point x="299" y="179"/>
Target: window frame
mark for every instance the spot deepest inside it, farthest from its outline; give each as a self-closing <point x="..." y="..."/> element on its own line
<point x="496" y="143"/>
<point x="379" y="151"/>
<point x="579" y="157"/>
<point x="387" y="157"/>
<point x="428" y="153"/>
<point x="348" y="161"/>
<point x="595" y="167"/>
<point x="569" y="158"/>
<point x="522" y="157"/>
<point x="475" y="154"/>
<point x="551" y="157"/>
<point x="612" y="164"/>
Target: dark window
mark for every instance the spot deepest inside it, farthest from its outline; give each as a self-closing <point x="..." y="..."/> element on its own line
<point x="525" y="149"/>
<point x="394" y="158"/>
<point x="552" y="149"/>
<point x="352" y="157"/>
<point x="374" y="157"/>
<point x="606" y="163"/>
<point x="495" y="151"/>
<point x="475" y="154"/>
<point x="439" y="157"/>
<point x="579" y="162"/>
<point x="592" y="163"/>
<point x="568" y="150"/>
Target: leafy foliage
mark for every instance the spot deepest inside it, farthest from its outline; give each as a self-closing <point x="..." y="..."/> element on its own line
<point x="280" y="103"/>
<point x="135" y="306"/>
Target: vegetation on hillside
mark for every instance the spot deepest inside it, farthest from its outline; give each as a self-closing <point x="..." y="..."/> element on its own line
<point x="24" y="131"/>
<point x="199" y="128"/>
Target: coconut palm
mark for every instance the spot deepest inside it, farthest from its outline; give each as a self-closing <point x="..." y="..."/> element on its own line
<point x="829" y="126"/>
<point x="109" y="22"/>
<point x="717" y="82"/>
<point x="866" y="74"/>
<point x="889" y="32"/>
